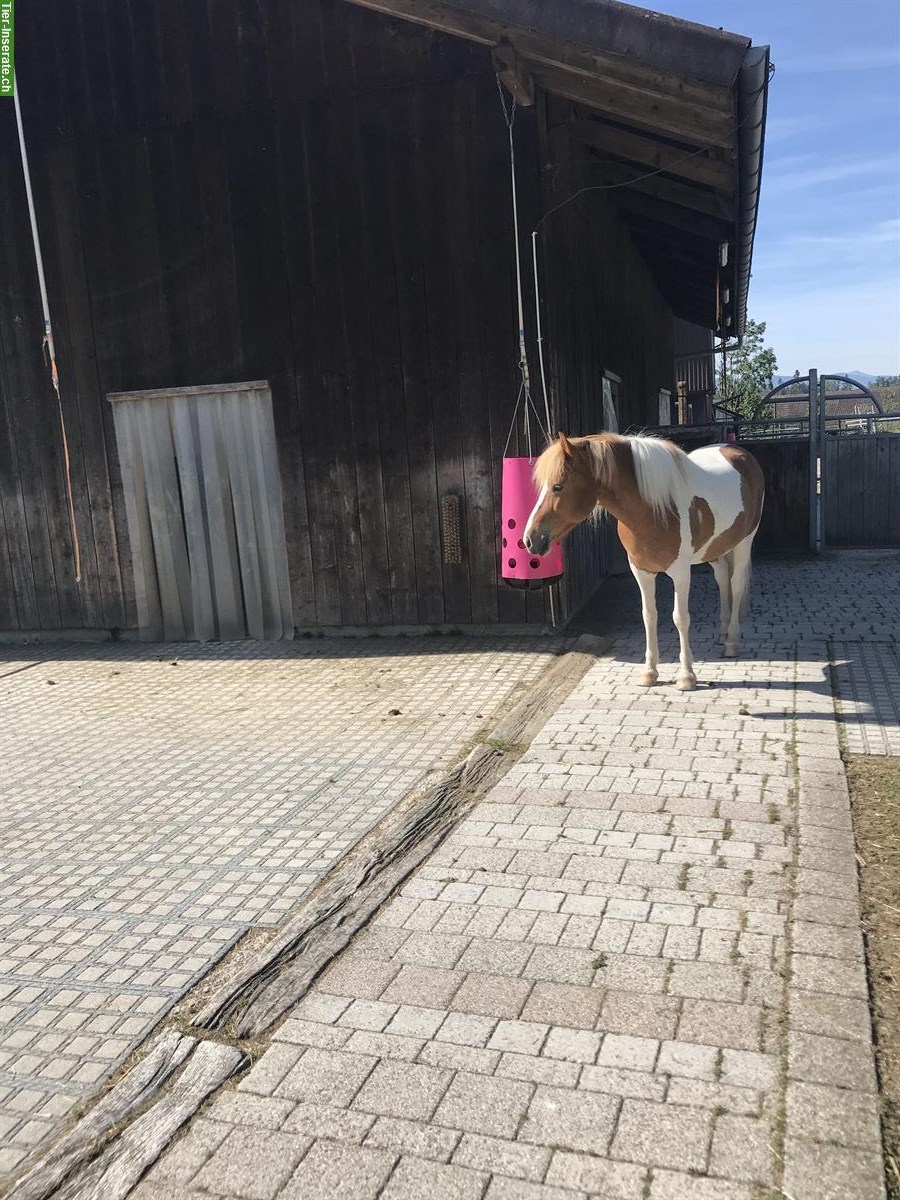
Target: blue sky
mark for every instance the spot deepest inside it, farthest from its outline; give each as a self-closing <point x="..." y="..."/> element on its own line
<point x="826" y="267"/>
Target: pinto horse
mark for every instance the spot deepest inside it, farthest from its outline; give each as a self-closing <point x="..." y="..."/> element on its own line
<point x="673" y="510"/>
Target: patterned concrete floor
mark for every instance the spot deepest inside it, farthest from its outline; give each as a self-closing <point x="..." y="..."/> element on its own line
<point x="154" y="807"/>
<point x="634" y="973"/>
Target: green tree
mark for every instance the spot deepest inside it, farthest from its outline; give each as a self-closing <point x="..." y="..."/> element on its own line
<point x="747" y="371"/>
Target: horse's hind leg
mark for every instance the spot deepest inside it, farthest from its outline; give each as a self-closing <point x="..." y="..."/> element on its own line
<point x="740" y="583"/>
<point x="722" y="571"/>
<point x="647" y="583"/>
<point x="681" y="578"/>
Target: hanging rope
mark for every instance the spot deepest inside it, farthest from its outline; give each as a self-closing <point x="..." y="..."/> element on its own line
<point x="509" y="115"/>
<point x="48" y="345"/>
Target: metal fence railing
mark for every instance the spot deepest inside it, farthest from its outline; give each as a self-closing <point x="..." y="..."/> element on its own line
<point x="783" y="429"/>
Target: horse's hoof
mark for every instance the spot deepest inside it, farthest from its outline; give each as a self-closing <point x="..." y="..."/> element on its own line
<point x="648" y="679"/>
<point x="731" y="649"/>
<point x="686" y="683"/>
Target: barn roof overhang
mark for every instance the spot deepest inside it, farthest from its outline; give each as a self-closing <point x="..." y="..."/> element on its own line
<point x="671" y="112"/>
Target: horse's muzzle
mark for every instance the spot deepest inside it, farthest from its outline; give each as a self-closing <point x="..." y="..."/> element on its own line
<point x="537" y="543"/>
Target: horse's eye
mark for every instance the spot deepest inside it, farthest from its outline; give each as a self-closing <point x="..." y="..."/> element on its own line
<point x="557" y="487"/>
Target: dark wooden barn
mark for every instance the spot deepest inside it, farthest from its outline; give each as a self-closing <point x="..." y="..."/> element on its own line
<point x="316" y="193"/>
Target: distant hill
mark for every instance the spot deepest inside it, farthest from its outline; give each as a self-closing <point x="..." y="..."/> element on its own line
<point x="859" y="376"/>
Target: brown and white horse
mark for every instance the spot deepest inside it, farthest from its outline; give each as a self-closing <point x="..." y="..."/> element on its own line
<point x="673" y="510"/>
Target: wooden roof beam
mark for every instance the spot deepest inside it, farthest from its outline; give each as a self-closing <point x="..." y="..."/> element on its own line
<point x="670" y="191"/>
<point x="512" y="73"/>
<point x="638" y="205"/>
<point x="673" y="99"/>
<point x="695" y="123"/>
<point x="639" y="147"/>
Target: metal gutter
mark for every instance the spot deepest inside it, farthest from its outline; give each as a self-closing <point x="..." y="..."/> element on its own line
<point x="752" y="99"/>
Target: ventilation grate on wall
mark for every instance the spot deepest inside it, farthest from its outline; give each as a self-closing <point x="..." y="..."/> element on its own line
<point x="451" y="534"/>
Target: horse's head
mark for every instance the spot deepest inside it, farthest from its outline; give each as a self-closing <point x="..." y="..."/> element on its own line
<point x="566" y="475"/>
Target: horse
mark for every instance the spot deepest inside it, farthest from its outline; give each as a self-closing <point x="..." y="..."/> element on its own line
<point x="672" y="510"/>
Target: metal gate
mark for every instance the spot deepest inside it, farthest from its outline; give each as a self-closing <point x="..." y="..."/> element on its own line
<point x="851" y="473"/>
<point x="831" y="460"/>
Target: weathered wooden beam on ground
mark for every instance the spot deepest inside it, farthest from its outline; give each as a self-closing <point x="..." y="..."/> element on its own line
<point x="91" y="1162"/>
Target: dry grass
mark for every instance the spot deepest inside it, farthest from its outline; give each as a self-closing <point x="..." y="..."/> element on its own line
<point x="875" y="795"/>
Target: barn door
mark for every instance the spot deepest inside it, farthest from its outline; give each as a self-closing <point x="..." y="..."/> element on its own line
<point x="203" y="501"/>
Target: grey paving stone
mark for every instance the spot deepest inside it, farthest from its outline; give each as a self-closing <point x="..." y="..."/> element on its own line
<point x="688" y="1060"/>
<point x="616" y="1081"/>
<point x="424" y="987"/>
<point x="672" y="1185"/>
<point x="327" y="1121"/>
<point x="331" y="1169"/>
<point x="266" y="1074"/>
<point x="417" y="1138"/>
<point x="329" y="1076"/>
<point x="416" y="1178"/>
<point x="358" y="977"/>
<point x="573" y="1045"/>
<point x="519" y="1037"/>
<point x="503" y="1157"/>
<point x="252" y="1164"/>
<point x="662" y="1135"/>
<point x="829" y="1114"/>
<point x="243" y="1108"/>
<point x="639" y="1015"/>
<point x="711" y="981"/>
<point x="829" y="1015"/>
<point x="829" y="1060"/>
<point x="398" y="1089"/>
<point x="739" y="1100"/>
<point x="491" y="995"/>
<point x="538" y="1070"/>
<point x="598" y="1176"/>
<point x="564" y="1004"/>
<point x="515" y="1189"/>
<point x="570" y="1120"/>
<point x="813" y="1171"/>
<point x="188" y="1153"/>
<point x="741" y="1150"/>
<point x="481" y="1104"/>
<point x="711" y="1022"/>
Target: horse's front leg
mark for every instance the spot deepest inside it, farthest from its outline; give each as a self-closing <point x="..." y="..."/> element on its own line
<point x="647" y="583"/>
<point x="681" y="578"/>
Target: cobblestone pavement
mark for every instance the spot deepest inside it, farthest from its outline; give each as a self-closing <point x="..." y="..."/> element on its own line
<point x="635" y="973"/>
<point x="155" y="808"/>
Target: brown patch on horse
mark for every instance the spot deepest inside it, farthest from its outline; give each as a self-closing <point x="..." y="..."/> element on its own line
<point x="703" y="524"/>
<point x="655" y="550"/>
<point x="753" y="489"/>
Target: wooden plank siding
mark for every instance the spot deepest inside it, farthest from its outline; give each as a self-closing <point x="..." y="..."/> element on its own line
<point x="602" y="312"/>
<point x="862" y="490"/>
<point x="318" y="196"/>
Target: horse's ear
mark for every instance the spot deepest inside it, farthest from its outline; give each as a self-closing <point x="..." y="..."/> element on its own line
<point x="567" y="448"/>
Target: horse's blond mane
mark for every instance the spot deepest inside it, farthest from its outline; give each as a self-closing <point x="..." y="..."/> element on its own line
<point x="551" y="466"/>
<point x="659" y="465"/>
